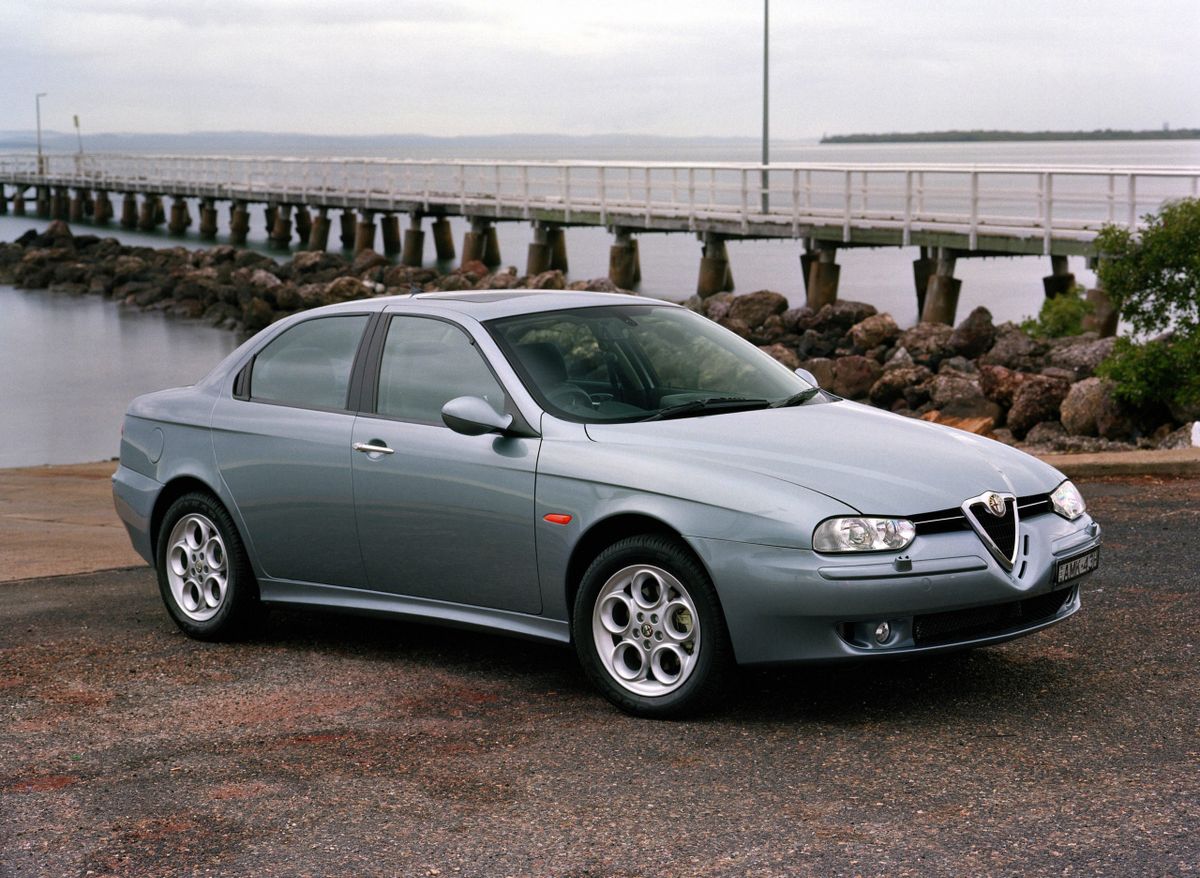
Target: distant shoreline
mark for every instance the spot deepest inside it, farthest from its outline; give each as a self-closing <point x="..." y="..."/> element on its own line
<point x="982" y="136"/>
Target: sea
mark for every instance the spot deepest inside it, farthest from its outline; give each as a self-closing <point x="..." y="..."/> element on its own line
<point x="69" y="365"/>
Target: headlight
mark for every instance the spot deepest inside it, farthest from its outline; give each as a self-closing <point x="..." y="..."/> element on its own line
<point x="1067" y="501"/>
<point x="863" y="535"/>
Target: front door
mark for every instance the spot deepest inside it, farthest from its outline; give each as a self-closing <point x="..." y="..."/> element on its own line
<point x="442" y="515"/>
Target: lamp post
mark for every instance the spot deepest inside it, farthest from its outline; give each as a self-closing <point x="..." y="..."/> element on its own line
<point x="41" y="163"/>
<point x="766" y="201"/>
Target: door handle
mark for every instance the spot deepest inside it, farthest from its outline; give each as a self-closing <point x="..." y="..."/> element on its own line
<point x="370" y="448"/>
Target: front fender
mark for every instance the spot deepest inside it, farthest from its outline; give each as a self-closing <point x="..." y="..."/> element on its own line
<point x="593" y="482"/>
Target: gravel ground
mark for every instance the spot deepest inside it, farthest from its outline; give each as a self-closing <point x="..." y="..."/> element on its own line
<point x="333" y="746"/>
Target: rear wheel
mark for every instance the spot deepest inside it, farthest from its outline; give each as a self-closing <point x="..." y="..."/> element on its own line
<point x="649" y="630"/>
<point x="203" y="574"/>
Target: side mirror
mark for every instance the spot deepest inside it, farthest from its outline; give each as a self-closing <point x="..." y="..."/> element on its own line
<point x="472" y="416"/>
<point x="808" y="376"/>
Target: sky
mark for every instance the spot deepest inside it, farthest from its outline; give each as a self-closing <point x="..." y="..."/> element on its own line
<point x="658" y="67"/>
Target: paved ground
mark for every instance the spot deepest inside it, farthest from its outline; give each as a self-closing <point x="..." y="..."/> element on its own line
<point x="334" y="746"/>
<point x="60" y="519"/>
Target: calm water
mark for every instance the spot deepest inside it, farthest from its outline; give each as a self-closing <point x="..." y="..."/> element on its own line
<point x="70" y="364"/>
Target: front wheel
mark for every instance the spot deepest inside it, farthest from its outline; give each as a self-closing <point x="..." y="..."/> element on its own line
<point x="203" y="574"/>
<point x="649" y="630"/>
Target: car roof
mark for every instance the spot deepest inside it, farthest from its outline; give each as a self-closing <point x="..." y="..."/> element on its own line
<point x="490" y="304"/>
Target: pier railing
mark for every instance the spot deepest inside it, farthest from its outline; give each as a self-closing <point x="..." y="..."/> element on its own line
<point x="845" y="201"/>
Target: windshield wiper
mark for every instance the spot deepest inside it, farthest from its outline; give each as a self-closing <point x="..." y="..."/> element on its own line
<point x="708" y="406"/>
<point x="797" y="398"/>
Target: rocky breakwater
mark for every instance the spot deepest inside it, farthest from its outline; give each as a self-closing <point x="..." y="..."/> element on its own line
<point x="994" y="380"/>
<point x="240" y="290"/>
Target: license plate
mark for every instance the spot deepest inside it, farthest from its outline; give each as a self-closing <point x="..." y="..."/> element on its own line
<point x="1073" y="568"/>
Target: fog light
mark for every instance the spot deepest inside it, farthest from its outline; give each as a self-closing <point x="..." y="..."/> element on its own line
<point x="882" y="632"/>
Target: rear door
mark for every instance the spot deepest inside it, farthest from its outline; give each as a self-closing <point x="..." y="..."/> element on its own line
<point x="442" y="515"/>
<point x="282" y="442"/>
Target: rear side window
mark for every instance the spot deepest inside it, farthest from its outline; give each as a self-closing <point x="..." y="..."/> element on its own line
<point x="309" y="365"/>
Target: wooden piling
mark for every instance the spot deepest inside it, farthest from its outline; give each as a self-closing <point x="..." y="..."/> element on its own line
<point x="76" y="211"/>
<point x="19" y="202"/>
<point x="318" y="236"/>
<point x="414" y="243"/>
<point x="303" y="225"/>
<point x="208" y="220"/>
<point x="129" y="211"/>
<point x="715" y="276"/>
<point x="1060" y="279"/>
<point x="823" y="276"/>
<point x="239" y="224"/>
<point x="146" y="214"/>
<point x="179" y="218"/>
<point x="270" y="215"/>
<point x="364" y="232"/>
<point x="556" y="238"/>
<point x="537" y="259"/>
<point x="349" y="229"/>
<point x="281" y="230"/>
<point x="60" y="203"/>
<point x="491" y="248"/>
<point x="389" y="227"/>
<point x="923" y="269"/>
<point x="443" y="239"/>
<point x="102" y="209"/>
<point x="622" y="260"/>
<point x="476" y="243"/>
<point x="3" y="199"/>
<point x="43" y="202"/>
<point x="941" y="297"/>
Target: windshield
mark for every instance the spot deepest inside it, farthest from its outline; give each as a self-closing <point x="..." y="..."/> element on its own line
<point x="641" y="362"/>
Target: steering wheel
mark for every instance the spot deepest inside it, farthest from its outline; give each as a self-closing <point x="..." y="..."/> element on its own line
<point x="568" y="396"/>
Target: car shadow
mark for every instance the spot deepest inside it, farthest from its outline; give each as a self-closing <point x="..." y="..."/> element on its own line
<point x="979" y="682"/>
<point x="999" y="681"/>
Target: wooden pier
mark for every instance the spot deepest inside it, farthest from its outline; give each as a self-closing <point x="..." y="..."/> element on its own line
<point x="950" y="212"/>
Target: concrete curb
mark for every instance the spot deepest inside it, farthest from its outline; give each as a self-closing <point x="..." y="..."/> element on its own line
<point x="1176" y="462"/>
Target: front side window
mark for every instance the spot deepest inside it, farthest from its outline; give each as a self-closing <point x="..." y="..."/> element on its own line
<point x="309" y="365"/>
<point x="637" y="362"/>
<point x="426" y="363"/>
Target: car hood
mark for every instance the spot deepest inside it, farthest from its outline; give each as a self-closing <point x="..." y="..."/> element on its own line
<point x="872" y="460"/>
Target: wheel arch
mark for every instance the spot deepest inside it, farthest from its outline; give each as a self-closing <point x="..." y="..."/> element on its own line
<point x="172" y="491"/>
<point x="602" y="534"/>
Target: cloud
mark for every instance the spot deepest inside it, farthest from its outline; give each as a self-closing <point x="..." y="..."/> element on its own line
<point x="670" y="67"/>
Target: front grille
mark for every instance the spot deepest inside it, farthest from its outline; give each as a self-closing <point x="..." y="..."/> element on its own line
<point x="948" y="520"/>
<point x="934" y="628"/>
<point x="1001" y="529"/>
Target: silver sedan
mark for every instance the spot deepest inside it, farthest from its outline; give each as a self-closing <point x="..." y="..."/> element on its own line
<point x="610" y="472"/>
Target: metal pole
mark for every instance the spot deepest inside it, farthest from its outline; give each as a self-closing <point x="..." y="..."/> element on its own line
<point x="79" y="134"/>
<point x="41" y="166"/>
<point x="766" y="200"/>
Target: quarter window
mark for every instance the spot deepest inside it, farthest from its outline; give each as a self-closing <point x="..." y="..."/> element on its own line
<point x="426" y="363"/>
<point x="309" y="365"/>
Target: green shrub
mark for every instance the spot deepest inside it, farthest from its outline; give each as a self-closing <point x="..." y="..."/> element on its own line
<point x="1061" y="315"/>
<point x="1162" y="370"/>
<point x="1154" y="278"/>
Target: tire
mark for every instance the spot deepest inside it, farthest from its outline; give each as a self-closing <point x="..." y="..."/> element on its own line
<point x="648" y="628"/>
<point x="204" y="576"/>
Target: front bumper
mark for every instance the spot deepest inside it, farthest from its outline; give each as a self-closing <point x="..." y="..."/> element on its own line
<point x="944" y="592"/>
